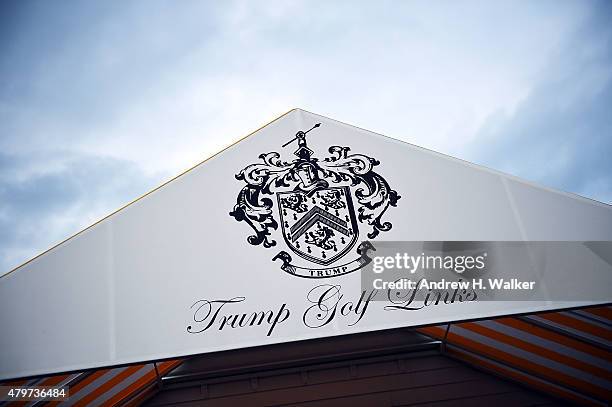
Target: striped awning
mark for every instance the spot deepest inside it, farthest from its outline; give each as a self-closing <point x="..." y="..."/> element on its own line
<point x="567" y="354"/>
<point x="104" y="387"/>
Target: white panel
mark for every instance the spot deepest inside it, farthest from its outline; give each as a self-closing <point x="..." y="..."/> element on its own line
<point x="121" y="291"/>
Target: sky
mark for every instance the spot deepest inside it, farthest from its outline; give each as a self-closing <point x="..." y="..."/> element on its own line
<point x="102" y="101"/>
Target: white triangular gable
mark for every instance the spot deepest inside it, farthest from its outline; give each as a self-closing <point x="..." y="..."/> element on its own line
<point x="126" y="289"/>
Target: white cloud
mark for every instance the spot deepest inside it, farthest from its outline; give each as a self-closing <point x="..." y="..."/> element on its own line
<point x="161" y="86"/>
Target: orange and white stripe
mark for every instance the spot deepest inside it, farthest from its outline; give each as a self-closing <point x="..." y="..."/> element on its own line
<point x="103" y="387"/>
<point x="567" y="354"/>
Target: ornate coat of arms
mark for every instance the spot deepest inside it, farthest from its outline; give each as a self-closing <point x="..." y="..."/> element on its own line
<point x="315" y="206"/>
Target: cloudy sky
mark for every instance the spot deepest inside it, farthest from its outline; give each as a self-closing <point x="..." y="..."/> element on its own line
<point x="102" y="101"/>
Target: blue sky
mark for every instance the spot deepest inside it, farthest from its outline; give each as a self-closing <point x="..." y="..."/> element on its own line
<point x="102" y="101"/>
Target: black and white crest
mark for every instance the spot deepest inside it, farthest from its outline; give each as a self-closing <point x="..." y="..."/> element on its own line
<point x="320" y="227"/>
<point x="314" y="202"/>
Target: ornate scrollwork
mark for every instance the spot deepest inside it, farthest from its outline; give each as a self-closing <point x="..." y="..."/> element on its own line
<point x="357" y="169"/>
<point x="307" y="175"/>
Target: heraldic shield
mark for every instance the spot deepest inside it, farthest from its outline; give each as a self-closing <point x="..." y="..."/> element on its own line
<point x="314" y="202"/>
<point x="321" y="226"/>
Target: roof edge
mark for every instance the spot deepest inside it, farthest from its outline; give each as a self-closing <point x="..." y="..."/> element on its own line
<point x="145" y="194"/>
